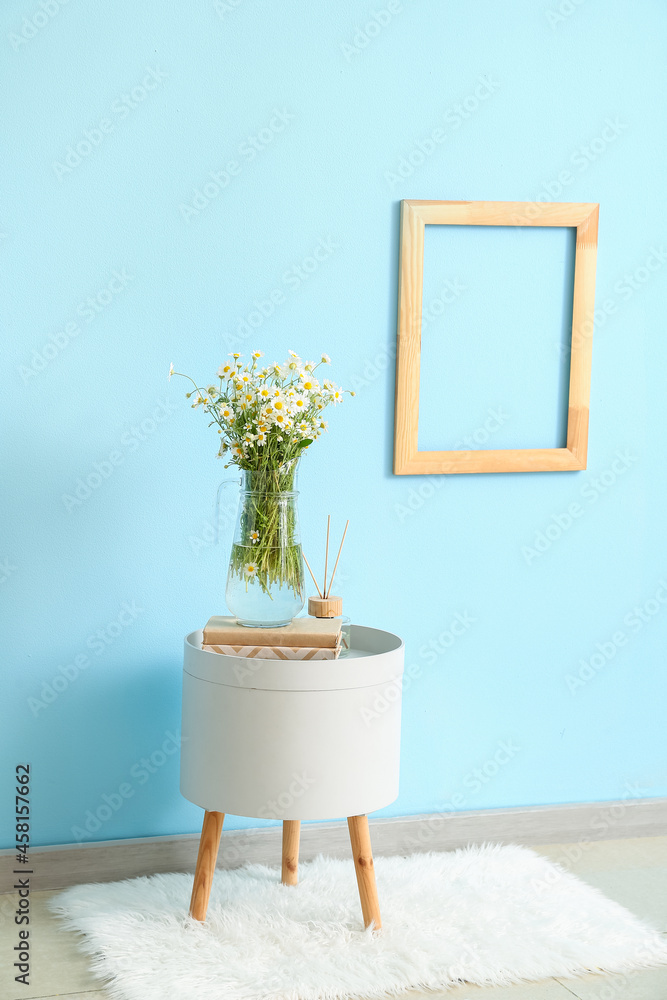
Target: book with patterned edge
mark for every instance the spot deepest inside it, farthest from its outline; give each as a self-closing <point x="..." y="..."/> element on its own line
<point x="224" y="630"/>
<point x="277" y="652"/>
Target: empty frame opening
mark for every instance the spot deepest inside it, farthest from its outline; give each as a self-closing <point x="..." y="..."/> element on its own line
<point x="496" y="330"/>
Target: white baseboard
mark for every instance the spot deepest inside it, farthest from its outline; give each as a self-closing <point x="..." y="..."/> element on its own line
<point x="108" y="861"/>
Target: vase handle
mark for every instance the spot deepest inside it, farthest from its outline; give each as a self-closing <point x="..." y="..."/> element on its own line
<point x="223" y="485"/>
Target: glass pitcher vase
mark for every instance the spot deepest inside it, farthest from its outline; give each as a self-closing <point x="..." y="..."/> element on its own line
<point x="265" y="581"/>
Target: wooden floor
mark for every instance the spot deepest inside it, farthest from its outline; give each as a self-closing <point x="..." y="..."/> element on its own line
<point x="633" y="872"/>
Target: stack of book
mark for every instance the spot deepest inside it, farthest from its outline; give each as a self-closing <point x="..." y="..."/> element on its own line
<point x="302" y="639"/>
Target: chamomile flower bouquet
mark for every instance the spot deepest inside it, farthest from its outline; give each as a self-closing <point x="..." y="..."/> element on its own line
<point x="266" y="417"/>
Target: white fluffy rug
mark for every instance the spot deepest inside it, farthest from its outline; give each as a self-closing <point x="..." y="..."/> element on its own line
<point x="486" y="915"/>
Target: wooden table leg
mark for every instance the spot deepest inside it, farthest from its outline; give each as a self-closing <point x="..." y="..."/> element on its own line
<point x="363" y="866"/>
<point x="291" y="834"/>
<point x="206" y="858"/>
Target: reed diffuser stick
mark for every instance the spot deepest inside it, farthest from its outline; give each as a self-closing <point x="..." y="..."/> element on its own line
<point x="311" y="573"/>
<point x="326" y="557"/>
<point x="327" y="590"/>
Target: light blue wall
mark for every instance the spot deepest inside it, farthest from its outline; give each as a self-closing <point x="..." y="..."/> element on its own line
<point x="349" y="112"/>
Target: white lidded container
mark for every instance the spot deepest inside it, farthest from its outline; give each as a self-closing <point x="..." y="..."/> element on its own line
<point x="290" y="739"/>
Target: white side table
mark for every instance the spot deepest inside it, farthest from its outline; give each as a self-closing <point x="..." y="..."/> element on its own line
<point x="292" y="740"/>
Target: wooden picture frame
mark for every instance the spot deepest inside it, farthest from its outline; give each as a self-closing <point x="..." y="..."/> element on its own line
<point x="415" y="215"/>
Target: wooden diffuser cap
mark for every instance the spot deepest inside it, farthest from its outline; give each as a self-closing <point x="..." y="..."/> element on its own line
<point x="325" y="607"/>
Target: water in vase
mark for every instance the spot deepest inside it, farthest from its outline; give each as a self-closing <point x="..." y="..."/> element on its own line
<point x="265" y="587"/>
